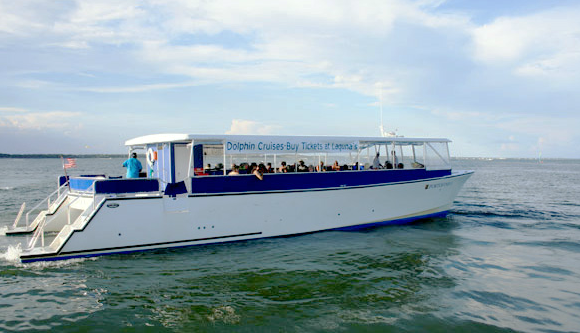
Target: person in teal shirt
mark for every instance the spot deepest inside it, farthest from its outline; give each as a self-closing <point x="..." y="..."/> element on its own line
<point x="133" y="166"/>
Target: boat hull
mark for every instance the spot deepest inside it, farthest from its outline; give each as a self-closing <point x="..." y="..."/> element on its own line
<point x="121" y="225"/>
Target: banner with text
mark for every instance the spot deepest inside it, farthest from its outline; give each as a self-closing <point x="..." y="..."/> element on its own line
<point x="261" y="146"/>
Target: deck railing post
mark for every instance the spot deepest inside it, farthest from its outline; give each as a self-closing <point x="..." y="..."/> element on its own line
<point x="22" y="208"/>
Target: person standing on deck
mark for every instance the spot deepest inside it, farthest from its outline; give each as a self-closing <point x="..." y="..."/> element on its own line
<point x="133" y="166"/>
<point x="376" y="163"/>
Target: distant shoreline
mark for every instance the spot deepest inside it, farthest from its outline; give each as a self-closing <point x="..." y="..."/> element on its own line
<point x="61" y="155"/>
<point x="125" y="155"/>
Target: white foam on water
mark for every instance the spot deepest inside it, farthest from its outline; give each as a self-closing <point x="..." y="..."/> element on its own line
<point x="12" y="254"/>
<point x="3" y="231"/>
<point x="6" y="188"/>
<point x="58" y="263"/>
<point x="226" y="314"/>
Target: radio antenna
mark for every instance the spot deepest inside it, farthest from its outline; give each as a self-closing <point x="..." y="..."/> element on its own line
<point x="381" y="126"/>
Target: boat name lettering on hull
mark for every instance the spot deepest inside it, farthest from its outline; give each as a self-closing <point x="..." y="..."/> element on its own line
<point x="434" y="186"/>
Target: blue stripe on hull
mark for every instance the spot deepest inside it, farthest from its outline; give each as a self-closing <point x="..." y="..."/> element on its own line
<point x="309" y="181"/>
<point x="349" y="228"/>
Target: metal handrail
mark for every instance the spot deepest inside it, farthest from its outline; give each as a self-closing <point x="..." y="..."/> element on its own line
<point x="46" y="199"/>
<point x="40" y="229"/>
<point x="83" y="215"/>
<point x="19" y="215"/>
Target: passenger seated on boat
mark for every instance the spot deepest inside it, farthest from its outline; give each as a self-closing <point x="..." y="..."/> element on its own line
<point x="259" y="171"/>
<point x="207" y="167"/>
<point x="282" y="168"/>
<point x="400" y="166"/>
<point x="302" y="167"/>
<point x="311" y="168"/>
<point x="344" y="167"/>
<point x="269" y="168"/>
<point x="235" y="171"/>
<point x="388" y="165"/>
<point x="417" y="165"/>
<point x="252" y="167"/>
<point x="376" y="162"/>
<point x="243" y="169"/>
<point x="133" y="166"/>
<point x="335" y="166"/>
<point x="320" y="167"/>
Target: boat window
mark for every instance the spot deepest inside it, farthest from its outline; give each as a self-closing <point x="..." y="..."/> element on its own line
<point x="412" y="154"/>
<point x="418" y="156"/>
<point x="405" y="156"/>
<point x="436" y="155"/>
<point x="213" y="160"/>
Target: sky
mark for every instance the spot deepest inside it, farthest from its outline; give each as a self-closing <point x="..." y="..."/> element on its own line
<point x="499" y="78"/>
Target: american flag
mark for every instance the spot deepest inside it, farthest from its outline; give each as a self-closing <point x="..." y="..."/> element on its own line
<point x="70" y="163"/>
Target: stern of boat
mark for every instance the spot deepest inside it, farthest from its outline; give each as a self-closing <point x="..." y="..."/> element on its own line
<point x="82" y="200"/>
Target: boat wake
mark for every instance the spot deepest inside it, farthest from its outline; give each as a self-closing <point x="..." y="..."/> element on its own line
<point x="12" y="254"/>
<point x="58" y="263"/>
<point x="3" y="231"/>
<point x="226" y="314"/>
<point x="6" y="188"/>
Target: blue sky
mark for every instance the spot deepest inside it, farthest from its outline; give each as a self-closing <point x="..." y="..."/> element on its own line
<point x="499" y="78"/>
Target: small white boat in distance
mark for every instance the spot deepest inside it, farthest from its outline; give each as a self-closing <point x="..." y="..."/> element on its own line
<point x="185" y="197"/>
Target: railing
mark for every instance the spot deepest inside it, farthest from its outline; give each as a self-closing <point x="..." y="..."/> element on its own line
<point x="61" y="194"/>
<point x="99" y="187"/>
<point x="19" y="215"/>
<point x="69" y="228"/>
<point x="39" y="233"/>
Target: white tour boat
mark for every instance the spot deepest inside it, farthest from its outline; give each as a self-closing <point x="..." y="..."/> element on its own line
<point x="180" y="201"/>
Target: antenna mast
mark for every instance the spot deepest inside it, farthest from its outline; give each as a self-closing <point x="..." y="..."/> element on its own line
<point x="381" y="127"/>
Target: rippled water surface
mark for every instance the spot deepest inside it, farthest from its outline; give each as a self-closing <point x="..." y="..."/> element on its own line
<point x="506" y="259"/>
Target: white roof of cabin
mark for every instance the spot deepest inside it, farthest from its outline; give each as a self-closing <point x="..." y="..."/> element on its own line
<point x="215" y="138"/>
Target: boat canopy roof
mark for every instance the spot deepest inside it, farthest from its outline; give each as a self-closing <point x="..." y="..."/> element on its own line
<point x="220" y="139"/>
<point x="275" y="144"/>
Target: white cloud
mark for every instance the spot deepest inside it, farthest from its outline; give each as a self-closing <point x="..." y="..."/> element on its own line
<point x="420" y="55"/>
<point x="72" y="44"/>
<point x="40" y="120"/>
<point x="8" y="109"/>
<point x="472" y="116"/>
<point x="546" y="42"/>
<point x="242" y="126"/>
<point x="552" y="133"/>
<point x="286" y="42"/>
<point x="19" y="19"/>
<point x="139" y="88"/>
<point x="32" y="84"/>
<point x="510" y="147"/>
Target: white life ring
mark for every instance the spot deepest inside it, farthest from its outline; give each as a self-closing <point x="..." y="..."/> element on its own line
<point x="151" y="157"/>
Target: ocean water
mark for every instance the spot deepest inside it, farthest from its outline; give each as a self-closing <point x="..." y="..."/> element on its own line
<point x="506" y="259"/>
